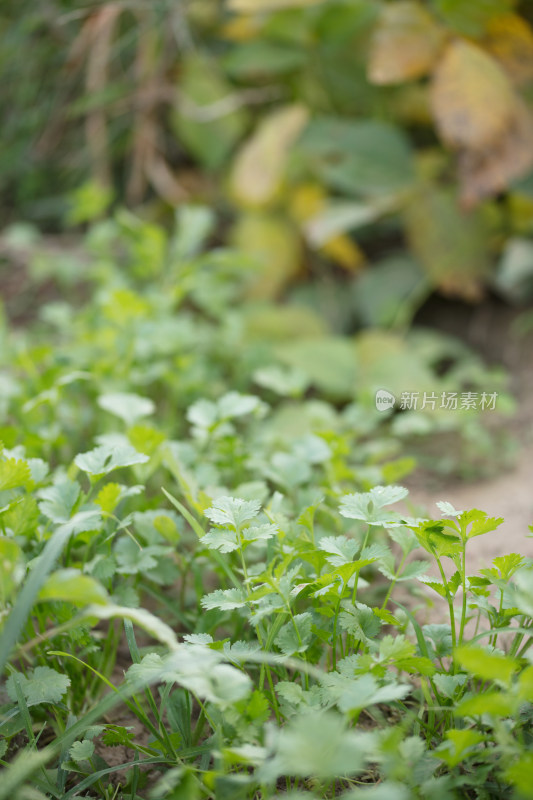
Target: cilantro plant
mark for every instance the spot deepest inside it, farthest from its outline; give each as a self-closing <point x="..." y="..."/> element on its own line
<point x="209" y="581"/>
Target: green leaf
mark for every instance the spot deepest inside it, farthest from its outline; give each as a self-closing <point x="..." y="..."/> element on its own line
<point x="221" y="539"/>
<point x="198" y="669"/>
<point x="363" y="157"/>
<point x="448" y="684"/>
<point x="328" y="362"/>
<point x="360" y="621"/>
<point x="260" y="533"/>
<point x="232" y="511"/>
<point x="498" y="704"/>
<point x="224" y="599"/>
<point x="364" y="691"/>
<point x="207" y="133"/>
<point x="479" y="521"/>
<point x="89" y="519"/>
<point x="14" y="472"/>
<point x="368" y="506"/>
<point x="519" y="774"/>
<point x="485" y="664"/>
<point x="341" y="550"/>
<point x="431" y="536"/>
<point x="70" y="585"/>
<point x="129" y="407"/>
<point x="132" y="559"/>
<point x="58" y="501"/>
<point x="295" y="637"/>
<point x="81" y="751"/>
<point x="105" y="459"/>
<point x="43" y="685"/>
<point x="447" y="509"/>
<point x="460" y="744"/>
<point x="316" y="744"/>
<point x="470" y="19"/>
<point x="118" y="735"/>
<point x="11" y="568"/>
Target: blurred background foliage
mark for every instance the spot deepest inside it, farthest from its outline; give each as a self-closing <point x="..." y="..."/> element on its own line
<point x="364" y="154"/>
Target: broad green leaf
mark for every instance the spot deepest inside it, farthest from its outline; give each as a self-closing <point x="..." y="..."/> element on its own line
<point x="519" y="774"/>
<point x="479" y="522"/>
<point x="329" y="362"/>
<point x="448" y="684"/>
<point x="447" y="509"/>
<point x="221" y="539"/>
<point x="369" y="506"/>
<point x="57" y="501"/>
<point x="359" y="620"/>
<point x="259" y="533"/>
<point x="232" y="511"/>
<point x="72" y="586"/>
<point x="456" y="265"/>
<point x="198" y="669"/>
<point x="82" y="751"/>
<point x="340" y="549"/>
<point x="224" y="599"/>
<point x="295" y="636"/>
<point x="285" y="381"/>
<point x="133" y="559"/>
<point x="88" y="519"/>
<point x="22" y="517"/>
<point x="498" y="704"/>
<point x="459" y="745"/>
<point x="105" y="459"/>
<point x="364" y="157"/>
<point x="205" y="123"/>
<point x="432" y="537"/>
<point x="14" y="472"/>
<point x="364" y="691"/>
<point x="128" y="406"/>
<point x="316" y="744"/>
<point x="486" y="665"/>
<point x="43" y="685"/>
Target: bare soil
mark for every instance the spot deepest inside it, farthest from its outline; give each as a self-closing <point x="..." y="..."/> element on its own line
<point x="496" y="331"/>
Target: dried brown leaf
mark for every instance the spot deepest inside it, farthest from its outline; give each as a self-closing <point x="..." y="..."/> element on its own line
<point x="259" y="167"/>
<point x="405" y="44"/>
<point x="473" y="101"/>
<point x="487" y="172"/>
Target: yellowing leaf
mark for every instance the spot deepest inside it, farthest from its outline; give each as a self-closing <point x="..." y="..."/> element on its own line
<point x="449" y="244"/>
<point x="484" y="173"/>
<point x="405" y="44"/>
<point x="275" y="247"/>
<point x="308" y="200"/>
<point x="509" y="39"/>
<point x="259" y="6"/>
<point x="473" y="101"/>
<point x="241" y="29"/>
<point x="260" y="165"/>
<point x="344" y="251"/>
